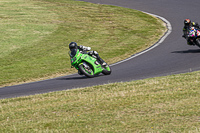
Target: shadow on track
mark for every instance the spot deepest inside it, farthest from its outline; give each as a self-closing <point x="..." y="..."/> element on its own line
<point x="72" y="78"/>
<point x="77" y="78"/>
<point x="188" y="51"/>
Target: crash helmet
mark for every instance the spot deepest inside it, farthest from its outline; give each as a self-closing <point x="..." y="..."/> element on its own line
<point x="187" y="22"/>
<point x="73" y="45"/>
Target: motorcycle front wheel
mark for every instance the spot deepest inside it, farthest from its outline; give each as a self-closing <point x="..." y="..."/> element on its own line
<point x="86" y="70"/>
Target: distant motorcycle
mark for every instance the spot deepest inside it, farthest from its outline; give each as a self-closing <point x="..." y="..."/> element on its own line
<point x="194" y="36"/>
<point x="87" y="65"/>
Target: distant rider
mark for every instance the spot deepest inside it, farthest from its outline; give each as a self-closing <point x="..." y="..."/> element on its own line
<point x="84" y="50"/>
<point x="187" y="26"/>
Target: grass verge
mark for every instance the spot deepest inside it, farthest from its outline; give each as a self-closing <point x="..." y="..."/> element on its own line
<point x="165" y="104"/>
<point x="35" y="35"/>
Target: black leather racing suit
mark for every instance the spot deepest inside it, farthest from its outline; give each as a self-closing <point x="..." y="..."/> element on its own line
<point x="84" y="50"/>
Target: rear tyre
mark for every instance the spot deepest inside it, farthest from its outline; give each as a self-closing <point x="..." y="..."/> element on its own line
<point x="198" y="42"/>
<point x="106" y="70"/>
<point x="86" y="70"/>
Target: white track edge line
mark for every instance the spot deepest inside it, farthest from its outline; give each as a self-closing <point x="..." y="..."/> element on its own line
<point x="169" y="30"/>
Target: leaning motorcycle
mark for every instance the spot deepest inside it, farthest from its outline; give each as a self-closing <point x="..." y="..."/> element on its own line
<point x="87" y="65"/>
<point x="194" y="36"/>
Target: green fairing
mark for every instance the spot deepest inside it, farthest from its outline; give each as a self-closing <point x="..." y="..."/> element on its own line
<point x="90" y="65"/>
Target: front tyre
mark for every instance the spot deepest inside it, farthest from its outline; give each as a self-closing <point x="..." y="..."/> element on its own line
<point x="106" y="70"/>
<point x="86" y="70"/>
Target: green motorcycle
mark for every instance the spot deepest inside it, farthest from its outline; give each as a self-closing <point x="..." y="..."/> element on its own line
<point x="87" y="65"/>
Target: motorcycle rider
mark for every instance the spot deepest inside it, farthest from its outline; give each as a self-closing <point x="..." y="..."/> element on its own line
<point x="187" y="26"/>
<point x="84" y="50"/>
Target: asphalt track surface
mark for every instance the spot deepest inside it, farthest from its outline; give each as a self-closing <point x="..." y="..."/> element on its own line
<point x="172" y="56"/>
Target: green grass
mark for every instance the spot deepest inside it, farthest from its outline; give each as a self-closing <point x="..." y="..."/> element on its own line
<point x="35" y="35"/>
<point x="34" y="43"/>
<point x="165" y="104"/>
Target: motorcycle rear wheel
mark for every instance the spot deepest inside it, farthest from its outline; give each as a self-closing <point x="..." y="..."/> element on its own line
<point x="198" y="42"/>
<point x="107" y="70"/>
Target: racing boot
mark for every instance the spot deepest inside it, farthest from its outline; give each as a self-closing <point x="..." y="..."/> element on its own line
<point x="101" y="61"/>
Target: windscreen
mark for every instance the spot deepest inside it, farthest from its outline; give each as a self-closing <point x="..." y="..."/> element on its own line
<point x="73" y="53"/>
